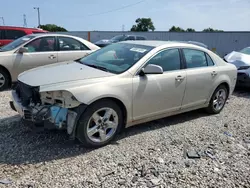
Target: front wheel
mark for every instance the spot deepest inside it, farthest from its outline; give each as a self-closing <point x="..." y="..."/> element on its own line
<point x="4" y="80"/>
<point x="218" y="100"/>
<point x="99" y="124"/>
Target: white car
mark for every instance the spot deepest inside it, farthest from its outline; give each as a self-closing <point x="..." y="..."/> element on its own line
<point x="35" y="50"/>
<point x="121" y="85"/>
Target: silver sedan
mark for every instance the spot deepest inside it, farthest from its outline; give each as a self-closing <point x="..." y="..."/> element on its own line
<point x="124" y="84"/>
<point x="35" y="50"/>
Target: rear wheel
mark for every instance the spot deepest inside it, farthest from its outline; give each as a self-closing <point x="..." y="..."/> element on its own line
<point x="4" y="80"/>
<point x="218" y="100"/>
<point x="99" y="124"/>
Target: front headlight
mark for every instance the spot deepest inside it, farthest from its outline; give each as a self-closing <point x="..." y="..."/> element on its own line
<point x="59" y="98"/>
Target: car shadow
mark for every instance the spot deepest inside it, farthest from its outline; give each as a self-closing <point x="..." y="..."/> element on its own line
<point x="242" y="92"/>
<point x="22" y="145"/>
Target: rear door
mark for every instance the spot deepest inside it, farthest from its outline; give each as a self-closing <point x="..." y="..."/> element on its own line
<point x="71" y="49"/>
<point x="201" y="75"/>
<point x="41" y="51"/>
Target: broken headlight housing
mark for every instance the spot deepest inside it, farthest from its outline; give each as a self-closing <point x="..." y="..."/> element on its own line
<point x="59" y="98"/>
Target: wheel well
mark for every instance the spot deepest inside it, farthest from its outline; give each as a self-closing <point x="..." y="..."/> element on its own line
<point x="227" y="86"/>
<point x="7" y="71"/>
<point x="119" y="103"/>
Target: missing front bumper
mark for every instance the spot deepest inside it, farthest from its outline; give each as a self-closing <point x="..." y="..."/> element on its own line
<point x="47" y="115"/>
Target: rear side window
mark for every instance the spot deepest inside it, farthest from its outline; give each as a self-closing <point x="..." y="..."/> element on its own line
<point x="14" y="34"/>
<point x="209" y="60"/>
<point x="130" y="38"/>
<point x="1" y="34"/>
<point x="69" y="44"/>
<point x="140" y="38"/>
<point x="197" y="58"/>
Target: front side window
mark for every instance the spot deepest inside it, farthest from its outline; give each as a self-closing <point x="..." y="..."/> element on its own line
<point x="195" y="58"/>
<point x="116" y="58"/>
<point x="17" y="43"/>
<point x="70" y="44"/>
<point x="44" y="44"/>
<point x="118" y="38"/>
<point x="168" y="59"/>
<point x="14" y="34"/>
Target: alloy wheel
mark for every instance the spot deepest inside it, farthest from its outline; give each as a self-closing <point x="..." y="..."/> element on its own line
<point x="219" y="99"/>
<point x="2" y="80"/>
<point x="102" y="125"/>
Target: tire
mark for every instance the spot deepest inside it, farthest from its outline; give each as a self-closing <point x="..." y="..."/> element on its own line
<point x="216" y="108"/>
<point x="4" y="80"/>
<point x="99" y="124"/>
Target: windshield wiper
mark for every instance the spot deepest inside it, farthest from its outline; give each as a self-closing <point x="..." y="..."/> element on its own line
<point x="97" y="67"/>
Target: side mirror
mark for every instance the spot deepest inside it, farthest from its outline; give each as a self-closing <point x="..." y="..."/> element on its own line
<point x="22" y="50"/>
<point x="152" y="69"/>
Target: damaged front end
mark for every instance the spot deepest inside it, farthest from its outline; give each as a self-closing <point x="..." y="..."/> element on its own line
<point x="54" y="109"/>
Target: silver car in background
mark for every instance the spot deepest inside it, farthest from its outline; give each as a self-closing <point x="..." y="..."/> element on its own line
<point x="121" y="85"/>
<point x="36" y="50"/>
<point x="241" y="59"/>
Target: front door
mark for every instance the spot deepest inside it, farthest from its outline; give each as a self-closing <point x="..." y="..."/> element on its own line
<point x="201" y="75"/>
<point x="161" y="93"/>
<point x="41" y="51"/>
<point x="71" y="49"/>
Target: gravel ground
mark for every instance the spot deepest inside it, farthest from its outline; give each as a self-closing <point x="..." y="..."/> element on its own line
<point x="148" y="155"/>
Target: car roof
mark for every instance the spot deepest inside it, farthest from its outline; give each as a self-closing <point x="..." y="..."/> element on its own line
<point x="52" y="34"/>
<point x="156" y="43"/>
<point x="21" y="28"/>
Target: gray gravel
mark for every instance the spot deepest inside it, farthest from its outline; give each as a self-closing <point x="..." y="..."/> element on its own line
<point x="148" y="155"/>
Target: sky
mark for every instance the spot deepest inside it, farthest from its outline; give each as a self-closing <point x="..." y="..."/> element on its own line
<point x="86" y="15"/>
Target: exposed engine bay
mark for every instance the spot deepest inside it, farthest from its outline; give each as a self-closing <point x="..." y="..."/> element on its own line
<point x="54" y="108"/>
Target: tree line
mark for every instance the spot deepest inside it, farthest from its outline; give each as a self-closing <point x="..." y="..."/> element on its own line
<point x="146" y="24"/>
<point x="141" y="25"/>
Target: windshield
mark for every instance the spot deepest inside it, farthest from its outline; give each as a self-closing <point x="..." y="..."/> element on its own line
<point x="116" y="58"/>
<point x="119" y="38"/>
<point x="246" y="51"/>
<point x="16" y="43"/>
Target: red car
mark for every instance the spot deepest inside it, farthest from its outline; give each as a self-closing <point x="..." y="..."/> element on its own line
<point x="10" y="33"/>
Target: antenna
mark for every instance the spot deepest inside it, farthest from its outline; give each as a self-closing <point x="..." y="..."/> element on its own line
<point x="24" y="21"/>
<point x="123" y="27"/>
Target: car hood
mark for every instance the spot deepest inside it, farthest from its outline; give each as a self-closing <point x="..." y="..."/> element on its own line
<point x="59" y="73"/>
<point x="238" y="59"/>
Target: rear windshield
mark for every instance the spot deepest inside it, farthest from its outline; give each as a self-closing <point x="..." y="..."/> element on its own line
<point x="245" y="51"/>
<point x="16" y="43"/>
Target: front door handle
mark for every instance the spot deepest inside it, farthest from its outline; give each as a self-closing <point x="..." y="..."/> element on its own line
<point x="214" y="73"/>
<point x="52" y="57"/>
<point x="179" y="78"/>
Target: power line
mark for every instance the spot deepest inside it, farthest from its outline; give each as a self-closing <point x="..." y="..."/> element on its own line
<point x="120" y="8"/>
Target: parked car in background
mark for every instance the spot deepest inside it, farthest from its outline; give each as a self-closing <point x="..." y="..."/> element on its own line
<point x="148" y="80"/>
<point x="36" y="50"/>
<point x="10" y="33"/>
<point x="241" y="60"/>
<point x="119" y="38"/>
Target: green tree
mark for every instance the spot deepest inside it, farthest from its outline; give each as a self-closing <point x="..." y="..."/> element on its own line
<point x="190" y="30"/>
<point x="211" y="30"/>
<point x="176" y="29"/>
<point x="143" y="24"/>
<point x="52" y="28"/>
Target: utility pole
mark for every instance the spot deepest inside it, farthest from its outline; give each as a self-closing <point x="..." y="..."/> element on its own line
<point x="38" y="13"/>
<point x="24" y="21"/>
<point x="2" y="20"/>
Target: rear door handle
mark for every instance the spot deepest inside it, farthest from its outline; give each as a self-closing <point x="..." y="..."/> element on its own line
<point x="214" y="73"/>
<point x="52" y="57"/>
<point x="179" y="78"/>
